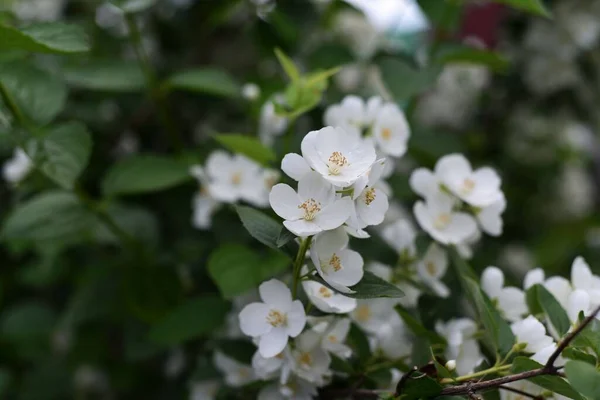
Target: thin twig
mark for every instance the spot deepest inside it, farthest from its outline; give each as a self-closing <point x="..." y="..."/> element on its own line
<point x="521" y="392"/>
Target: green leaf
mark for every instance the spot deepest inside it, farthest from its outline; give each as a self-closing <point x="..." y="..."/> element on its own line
<point x="417" y="328"/>
<point x="103" y="75"/>
<point x="558" y="316"/>
<point x="236" y="269"/>
<point x="39" y="95"/>
<point x="442" y="371"/>
<point x="497" y="331"/>
<point x="469" y="55"/>
<point x="133" y="6"/>
<point x="584" y="378"/>
<point x="404" y="81"/>
<point x="249" y="146"/>
<point x="288" y="65"/>
<point x="144" y="174"/>
<point x="370" y="287"/>
<point x="49" y="37"/>
<point x="53" y="215"/>
<point x="443" y="14"/>
<point x="330" y="55"/>
<point x="419" y="387"/>
<point x="197" y="317"/>
<point x="553" y="383"/>
<point x="340" y="365"/>
<point x="136" y="221"/>
<point x="205" y="80"/>
<point x="265" y="229"/>
<point x="532" y="6"/>
<point x="62" y="153"/>
<point x="589" y="338"/>
<point x="27" y="321"/>
<point x="575" y="354"/>
<point x="359" y="343"/>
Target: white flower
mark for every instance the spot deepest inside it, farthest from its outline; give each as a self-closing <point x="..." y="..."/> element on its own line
<point x="411" y="293"/>
<point x="391" y="131"/>
<point x="424" y="182"/>
<point x="204" y="390"/>
<point x="203" y="204"/>
<point x="560" y="288"/>
<point x="314" y="208"/>
<point x="479" y="188"/>
<point x="578" y="302"/>
<point x="270" y="124"/>
<point x="233" y="177"/>
<point x="267" y="368"/>
<point x="465" y="248"/>
<point x="295" y="166"/>
<point x="250" y="91"/>
<point x="462" y="347"/>
<point x="400" y="236"/>
<point x="490" y="217"/>
<point x="18" y="167"/>
<point x="273" y="320"/>
<point x="371" y="314"/>
<point x="338" y="266"/>
<point x="295" y="389"/>
<point x="436" y="217"/>
<point x="583" y="279"/>
<point x="333" y="337"/>
<point x="531" y="332"/>
<point x="544" y="354"/>
<point x="339" y="156"/>
<point x="326" y="299"/>
<point x="533" y="277"/>
<point x="236" y="373"/>
<point x="432" y="269"/>
<point x="350" y="114"/>
<point x="509" y="300"/>
<point x="370" y="202"/>
<point x="311" y="361"/>
<point x="110" y="17"/>
<point x="392" y="338"/>
<point x="38" y="10"/>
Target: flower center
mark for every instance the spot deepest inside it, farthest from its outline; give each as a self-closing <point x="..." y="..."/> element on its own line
<point x="324" y="292"/>
<point x="243" y="373"/>
<point x="369" y="196"/>
<point x="431" y="269"/>
<point x="332" y="338"/>
<point x="334" y="263"/>
<point x="311" y="207"/>
<point x="363" y="313"/>
<point x="467" y="186"/>
<point x="386" y="133"/>
<point x="305" y="359"/>
<point x="277" y="319"/>
<point x="336" y="162"/>
<point x="236" y="178"/>
<point x="442" y="221"/>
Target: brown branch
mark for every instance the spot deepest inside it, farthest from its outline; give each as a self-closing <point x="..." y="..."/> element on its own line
<point x="521" y="392"/>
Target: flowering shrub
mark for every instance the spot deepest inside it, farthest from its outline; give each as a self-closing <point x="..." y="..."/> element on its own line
<point x="344" y="245"/>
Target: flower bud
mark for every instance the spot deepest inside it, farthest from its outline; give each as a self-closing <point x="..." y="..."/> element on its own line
<point x="451" y="365"/>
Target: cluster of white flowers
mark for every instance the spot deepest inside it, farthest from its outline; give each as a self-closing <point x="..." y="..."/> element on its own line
<point x="458" y="201"/>
<point x="227" y="178"/>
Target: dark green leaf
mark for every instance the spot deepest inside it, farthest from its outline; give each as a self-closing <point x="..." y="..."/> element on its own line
<point x="532" y="6"/>
<point x="195" y="318"/>
<point x="584" y="377"/>
<point x="62" y="153"/>
<point x="37" y="94"/>
<point x="249" y="146"/>
<point x="404" y="81"/>
<point x="285" y="236"/>
<point x="265" y="229"/>
<point x="210" y="81"/>
<point x="370" y="287"/>
<point x="417" y="328"/>
<point x="133" y="6"/>
<point x="341" y="365"/>
<point x="443" y="14"/>
<point x="330" y="55"/>
<point x="144" y="174"/>
<point x="236" y="269"/>
<point x="575" y="354"/>
<point x="558" y="316"/>
<point x="442" y="371"/>
<point x="589" y="338"/>
<point x="553" y="383"/>
<point x="27" y="321"/>
<point x="136" y="221"/>
<point x="49" y="37"/>
<point x="110" y="76"/>
<point x="420" y="386"/>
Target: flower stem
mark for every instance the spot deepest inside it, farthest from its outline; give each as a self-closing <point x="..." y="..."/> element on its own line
<point x="298" y="262"/>
<point x="477" y="374"/>
<point x="156" y="93"/>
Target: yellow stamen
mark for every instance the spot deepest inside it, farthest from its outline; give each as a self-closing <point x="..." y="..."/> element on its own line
<point x="311" y="207"/>
<point x="442" y="221"/>
<point x="276" y="318"/>
<point x="363" y="313"/>
<point x="468" y="186"/>
<point x="369" y="196"/>
<point x="305" y="359"/>
<point x="386" y="133"/>
<point x="332" y="339"/>
<point x="236" y="178"/>
<point x="336" y="162"/>
<point x="335" y="262"/>
<point x="324" y="292"/>
<point x="431" y="269"/>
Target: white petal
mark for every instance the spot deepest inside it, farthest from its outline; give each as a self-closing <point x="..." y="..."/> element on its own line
<point x="578" y="301"/>
<point x="276" y="294"/>
<point x="335" y="214"/>
<point x="581" y="275"/>
<point x="374" y="212"/>
<point x="423" y="182"/>
<point x="512" y="302"/>
<point x="533" y="277"/>
<point x="295" y="166"/>
<point x="492" y="281"/>
<point x="327" y="243"/>
<point x="285" y="201"/>
<point x="350" y="273"/>
<point x="253" y="319"/>
<point x="296" y="319"/>
<point x="313" y="186"/>
<point x="560" y="289"/>
<point x="310" y="154"/>
<point x="219" y="165"/>
<point x="453" y="169"/>
<point x="223" y="191"/>
<point x="273" y="342"/>
<point x="460" y="228"/>
<point x="302" y="228"/>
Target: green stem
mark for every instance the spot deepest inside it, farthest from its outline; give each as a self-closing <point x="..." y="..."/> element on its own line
<point x="298" y="262"/>
<point x="477" y="374"/>
<point x="156" y="93"/>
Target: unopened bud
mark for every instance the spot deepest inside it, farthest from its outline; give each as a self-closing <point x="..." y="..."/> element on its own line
<point x="451" y="365"/>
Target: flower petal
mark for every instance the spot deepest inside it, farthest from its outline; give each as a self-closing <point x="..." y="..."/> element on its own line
<point x="296" y="319"/>
<point x="273" y="342"/>
<point x="295" y="166"/>
<point x="334" y="215"/>
<point x="276" y="294"/>
<point x="302" y="228"/>
<point x="313" y="186"/>
<point x="285" y="201"/>
<point x="253" y="319"/>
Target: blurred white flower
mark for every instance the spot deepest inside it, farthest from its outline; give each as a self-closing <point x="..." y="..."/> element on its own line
<point x="203" y="204"/>
<point x="333" y="336"/>
<point x="357" y="32"/>
<point x="339" y="266"/>
<point x="401" y="236"/>
<point x="392" y="338"/>
<point x="371" y="314"/>
<point x="490" y="217"/>
<point x="391" y="130"/>
<point x="326" y="299"/>
<point x="18" y="167"/>
<point x="385" y="272"/>
<point x="250" y="91"/>
<point x="270" y="124"/>
<point x="39" y="10"/>
<point x="268" y="368"/>
<point x="314" y="208"/>
<point x="110" y="17"/>
<point x="531" y="332"/>
<point x="294" y="389"/>
<point x="273" y="320"/>
<point x="236" y="373"/>
<point x="576" y="191"/>
<point x="204" y="390"/>
<point x="432" y="269"/>
<point x="462" y="347"/>
<point x="339" y="156"/>
<point x="509" y="300"/>
<point x="311" y="361"/>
